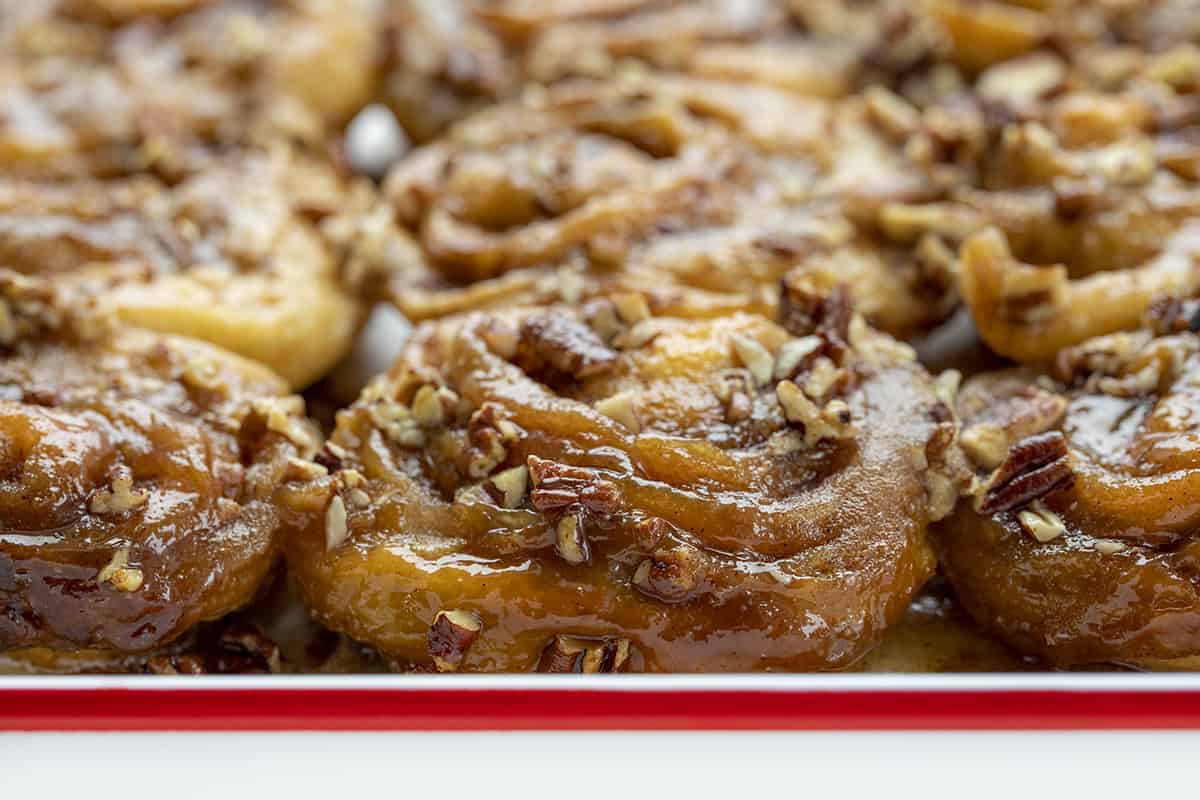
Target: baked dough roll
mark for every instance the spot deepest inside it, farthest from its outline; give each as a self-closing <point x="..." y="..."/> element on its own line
<point x="1079" y="545"/>
<point x="231" y="255"/>
<point x="107" y="87"/>
<point x="138" y="471"/>
<point x="699" y="194"/>
<point x="596" y="489"/>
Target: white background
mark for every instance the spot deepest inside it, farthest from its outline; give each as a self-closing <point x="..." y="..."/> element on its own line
<point x="824" y="766"/>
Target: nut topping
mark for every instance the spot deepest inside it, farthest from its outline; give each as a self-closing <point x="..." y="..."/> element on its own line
<point x="508" y="487"/>
<point x="985" y="443"/>
<point x="755" y="358"/>
<point x="336" y="530"/>
<point x="243" y="649"/>
<point x="1035" y="467"/>
<point x="574" y="654"/>
<point x="1041" y="523"/>
<point x="672" y="574"/>
<point x="120" y="498"/>
<point x="620" y="407"/>
<point x="120" y="574"/>
<point x="330" y="456"/>
<point x="570" y="540"/>
<point x="830" y="422"/>
<point x="558" y="486"/>
<point x="564" y="345"/>
<point x="450" y="636"/>
<point x="175" y="665"/>
<point x="489" y="433"/>
<point x="631" y="307"/>
<point x="804" y="310"/>
<point x="431" y="404"/>
<point x="792" y="354"/>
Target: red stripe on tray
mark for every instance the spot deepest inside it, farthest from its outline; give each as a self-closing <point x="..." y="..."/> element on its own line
<point x="524" y="708"/>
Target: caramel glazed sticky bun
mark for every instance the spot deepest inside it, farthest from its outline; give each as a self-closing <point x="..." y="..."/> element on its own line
<point x="597" y="489"/>
<point x="670" y="263"/>
<point x="136" y="477"/>
<point x="1079" y="545"/>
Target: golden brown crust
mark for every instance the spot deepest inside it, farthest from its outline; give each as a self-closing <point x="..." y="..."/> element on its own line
<point x="683" y="495"/>
<point x="698" y="193"/>
<point x="104" y="87"/>
<point x="136" y="474"/>
<point x="230" y="256"/>
<point x="1104" y="569"/>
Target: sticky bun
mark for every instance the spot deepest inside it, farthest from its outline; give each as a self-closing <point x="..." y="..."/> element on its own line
<point x="113" y="87"/>
<point x="699" y="194"/>
<point x="596" y="488"/>
<point x="136" y="477"/>
<point x="233" y="255"/>
<point x="1078" y="543"/>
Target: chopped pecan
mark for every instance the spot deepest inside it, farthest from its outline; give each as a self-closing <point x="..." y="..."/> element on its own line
<point x="559" y="345"/>
<point x="558" y="486"/>
<point x="672" y="574"/>
<point x="584" y="655"/>
<point x="1041" y="523"/>
<point x="1077" y="197"/>
<point x="621" y="407"/>
<point x="336" y="527"/>
<point x="1103" y="355"/>
<point x="985" y="443"/>
<point x="489" y="432"/>
<point x="756" y="358"/>
<point x="570" y="540"/>
<point x="508" y="488"/>
<point x="1035" y="467"/>
<point x="805" y="311"/>
<point x="175" y="665"/>
<point x="1168" y="315"/>
<point x="245" y="650"/>
<point x="330" y="456"/>
<point x="450" y="636"/>
<point x="649" y="533"/>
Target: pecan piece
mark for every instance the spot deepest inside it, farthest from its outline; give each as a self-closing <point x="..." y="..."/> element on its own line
<point x="331" y="456"/>
<point x="555" y="343"/>
<point x="806" y="311"/>
<point x="175" y="665"/>
<point x="489" y="433"/>
<point x="671" y="574"/>
<point x="243" y="649"/>
<point x="583" y="655"/>
<point x="557" y="486"/>
<point x="1035" y="467"/>
<point x="507" y="488"/>
<point x="570" y="540"/>
<point x="450" y="636"/>
<point x="1168" y="315"/>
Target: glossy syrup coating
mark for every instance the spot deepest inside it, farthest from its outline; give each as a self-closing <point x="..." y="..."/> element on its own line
<point x="234" y="255"/>
<point x="136" y="473"/>
<point x="447" y="60"/>
<point x="1081" y="158"/>
<point x="116" y="87"/>
<point x="1104" y="567"/>
<point x="700" y="193"/>
<point x="601" y="489"/>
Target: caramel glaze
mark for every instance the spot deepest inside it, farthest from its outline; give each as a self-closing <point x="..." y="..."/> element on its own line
<point x="135" y="479"/>
<point x="1129" y="417"/>
<point x="769" y="553"/>
<point x="104" y="88"/>
<point x="230" y="256"/>
<point x="700" y="193"/>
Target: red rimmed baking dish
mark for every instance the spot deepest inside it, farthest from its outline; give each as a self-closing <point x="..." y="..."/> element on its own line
<point x="739" y="702"/>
